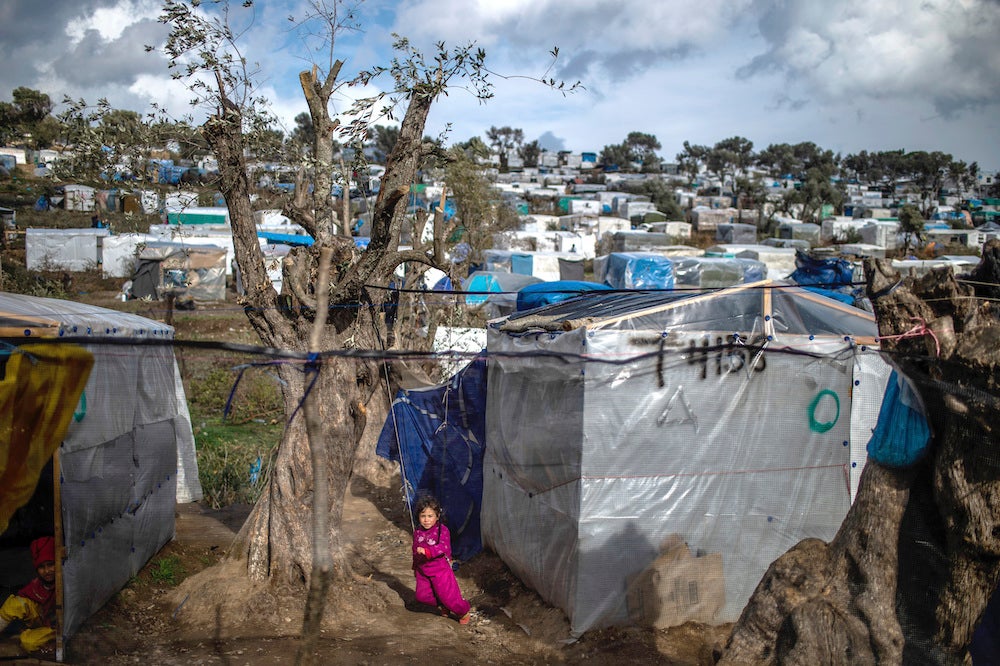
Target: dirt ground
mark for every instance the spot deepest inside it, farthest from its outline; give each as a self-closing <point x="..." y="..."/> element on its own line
<point x="375" y="620"/>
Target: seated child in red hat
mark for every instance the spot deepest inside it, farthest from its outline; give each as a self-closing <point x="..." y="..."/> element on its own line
<point x="33" y="607"/>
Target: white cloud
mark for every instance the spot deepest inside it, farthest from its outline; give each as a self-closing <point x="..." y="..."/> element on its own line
<point x="111" y="22"/>
<point x="940" y="50"/>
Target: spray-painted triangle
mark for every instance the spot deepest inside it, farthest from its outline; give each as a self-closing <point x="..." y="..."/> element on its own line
<point x="678" y="411"/>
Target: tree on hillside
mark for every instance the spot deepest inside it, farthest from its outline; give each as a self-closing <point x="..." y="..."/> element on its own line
<point x="644" y="146"/>
<point x="480" y="213"/>
<point x="275" y="540"/>
<point x="23" y="117"/>
<point x="529" y="153"/>
<point x="637" y="148"/>
<point x="751" y="194"/>
<point x="971" y="181"/>
<point x="957" y="172"/>
<point x="909" y="573"/>
<point x="506" y="141"/>
<point x="384" y="139"/>
<point x="692" y="159"/>
<point x="816" y="190"/>
<point x="911" y="223"/>
<point x="730" y="158"/>
<point x="474" y="148"/>
<point x="928" y="171"/>
<point x="660" y="194"/>
<point x="795" y="160"/>
<point x="304" y="134"/>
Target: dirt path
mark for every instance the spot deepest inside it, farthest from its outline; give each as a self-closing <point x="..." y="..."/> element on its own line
<point x="374" y="620"/>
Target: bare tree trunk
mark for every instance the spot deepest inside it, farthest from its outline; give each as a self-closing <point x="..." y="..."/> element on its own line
<point x="909" y="573"/>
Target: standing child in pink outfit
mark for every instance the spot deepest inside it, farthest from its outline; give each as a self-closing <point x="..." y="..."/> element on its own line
<point x="436" y="584"/>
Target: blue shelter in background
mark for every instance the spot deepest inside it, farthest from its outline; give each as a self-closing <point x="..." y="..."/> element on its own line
<point x="828" y="276"/>
<point x="547" y="293"/>
<point x="438" y="434"/>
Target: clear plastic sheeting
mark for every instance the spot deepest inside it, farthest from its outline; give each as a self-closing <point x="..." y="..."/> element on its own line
<point x="196" y="270"/>
<point x="664" y="442"/>
<point x="128" y="446"/>
<point x="635" y="270"/>
<point x="717" y="272"/>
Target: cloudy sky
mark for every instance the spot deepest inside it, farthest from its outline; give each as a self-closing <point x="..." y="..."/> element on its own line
<point x="847" y="75"/>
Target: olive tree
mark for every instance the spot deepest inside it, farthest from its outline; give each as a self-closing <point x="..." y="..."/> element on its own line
<point x="203" y="49"/>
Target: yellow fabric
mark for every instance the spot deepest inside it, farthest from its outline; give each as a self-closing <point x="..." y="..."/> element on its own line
<point x="39" y="391"/>
<point x="37" y="634"/>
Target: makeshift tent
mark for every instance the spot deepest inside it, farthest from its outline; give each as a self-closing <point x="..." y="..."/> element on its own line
<point x="79" y="197"/>
<point x="717" y="272"/>
<point x="651" y="270"/>
<point x="198" y="271"/>
<point x="645" y="428"/>
<point x="496" y="292"/>
<point x="437" y="435"/>
<point x="119" y="253"/>
<point x="73" y="250"/>
<point x="219" y="235"/>
<point x="546" y="293"/>
<point x="779" y="261"/>
<point x="635" y="270"/>
<point x="126" y="456"/>
<point x="545" y="265"/>
<point x="736" y="233"/>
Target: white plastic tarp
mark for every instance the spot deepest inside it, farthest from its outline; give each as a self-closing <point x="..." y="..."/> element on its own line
<point x="200" y="234"/>
<point x="737" y="453"/>
<point x="74" y="250"/>
<point x="128" y="447"/>
<point x="118" y="253"/>
<point x="780" y="261"/>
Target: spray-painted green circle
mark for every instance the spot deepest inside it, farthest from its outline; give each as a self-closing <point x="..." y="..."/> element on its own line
<point x="815" y="425"/>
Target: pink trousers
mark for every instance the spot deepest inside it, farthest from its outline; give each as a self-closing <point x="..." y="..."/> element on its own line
<point x="436" y="586"/>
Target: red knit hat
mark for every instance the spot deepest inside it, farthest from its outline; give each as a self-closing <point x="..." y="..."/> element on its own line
<point x="43" y="549"/>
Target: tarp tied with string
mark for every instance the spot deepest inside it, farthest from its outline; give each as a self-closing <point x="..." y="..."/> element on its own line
<point x="437" y="434"/>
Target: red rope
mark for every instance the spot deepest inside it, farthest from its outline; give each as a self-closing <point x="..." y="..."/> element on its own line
<point x="918" y="331"/>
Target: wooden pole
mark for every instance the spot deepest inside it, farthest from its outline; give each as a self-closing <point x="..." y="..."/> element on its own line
<point x="322" y="560"/>
<point x="60" y="551"/>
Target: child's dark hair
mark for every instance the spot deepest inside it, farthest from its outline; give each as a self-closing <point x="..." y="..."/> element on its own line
<point x="428" y="502"/>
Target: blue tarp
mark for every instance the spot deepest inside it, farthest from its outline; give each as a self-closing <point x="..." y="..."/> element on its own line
<point x="639" y="270"/>
<point x="285" y="239"/>
<point x="546" y="293"/>
<point x="301" y="239"/>
<point x="828" y="273"/>
<point x="449" y="208"/>
<point x="495" y="281"/>
<point x="439" y="434"/>
<point x="901" y="435"/>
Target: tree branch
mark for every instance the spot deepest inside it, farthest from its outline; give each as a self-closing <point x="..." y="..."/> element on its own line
<point x="295" y="277"/>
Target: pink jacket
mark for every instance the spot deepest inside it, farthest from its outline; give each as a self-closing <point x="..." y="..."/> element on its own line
<point x="436" y="542"/>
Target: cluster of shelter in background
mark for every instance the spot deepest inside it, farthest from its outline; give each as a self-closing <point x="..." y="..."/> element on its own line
<point x="594" y="233"/>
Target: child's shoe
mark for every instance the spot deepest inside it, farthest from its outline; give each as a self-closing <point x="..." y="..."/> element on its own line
<point x="443" y="611"/>
<point x="464" y="619"/>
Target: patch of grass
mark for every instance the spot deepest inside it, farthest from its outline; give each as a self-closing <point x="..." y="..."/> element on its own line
<point x="167" y="570"/>
<point x="228" y="457"/>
